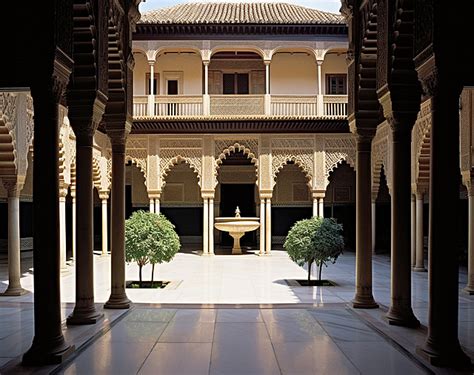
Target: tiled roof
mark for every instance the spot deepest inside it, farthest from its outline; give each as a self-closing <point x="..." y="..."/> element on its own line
<point x="239" y="13"/>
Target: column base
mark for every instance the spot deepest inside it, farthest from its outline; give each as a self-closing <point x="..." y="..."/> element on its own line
<point x="105" y="255"/>
<point x="469" y="290"/>
<point x="38" y="355"/>
<point x="453" y="357"/>
<point x="14" y="292"/>
<point x="207" y="254"/>
<point x="83" y="317"/>
<point x="364" y="302"/>
<point x="419" y="269"/>
<point x="402" y="318"/>
<point x="118" y="302"/>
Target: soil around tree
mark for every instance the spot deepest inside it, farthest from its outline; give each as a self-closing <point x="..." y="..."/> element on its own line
<point x="159" y="284"/>
<point x="316" y="283"/>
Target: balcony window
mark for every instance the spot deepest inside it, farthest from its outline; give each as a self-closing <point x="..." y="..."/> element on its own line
<point x="235" y="83"/>
<point x="336" y="84"/>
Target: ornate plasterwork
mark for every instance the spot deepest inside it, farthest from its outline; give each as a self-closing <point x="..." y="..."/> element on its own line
<point x="171" y="157"/>
<point x="381" y="157"/>
<point x="421" y="144"/>
<point x="136" y="152"/>
<point x="224" y="147"/>
<point x="337" y="150"/>
<point x="175" y="151"/>
<point x="8" y="115"/>
<point x="297" y="150"/>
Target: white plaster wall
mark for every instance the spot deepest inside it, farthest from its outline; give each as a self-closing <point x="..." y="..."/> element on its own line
<point x="333" y="64"/>
<point x="189" y="65"/>
<point x="141" y="68"/>
<point x="293" y="74"/>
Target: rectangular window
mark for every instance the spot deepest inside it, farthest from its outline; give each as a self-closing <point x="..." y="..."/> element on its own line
<point x="156" y="82"/>
<point x="336" y="84"/>
<point x="172" y="87"/>
<point x="235" y="83"/>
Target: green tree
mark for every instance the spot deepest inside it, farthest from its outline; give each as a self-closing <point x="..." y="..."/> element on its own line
<point x="149" y="238"/>
<point x="316" y="240"/>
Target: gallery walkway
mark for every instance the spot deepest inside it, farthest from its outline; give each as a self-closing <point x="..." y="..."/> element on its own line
<point x="237" y="315"/>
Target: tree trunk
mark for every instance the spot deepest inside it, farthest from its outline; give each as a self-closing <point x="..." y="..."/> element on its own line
<point x="320" y="270"/>
<point x="140" y="275"/>
<point x="309" y="270"/>
<point x="152" y="273"/>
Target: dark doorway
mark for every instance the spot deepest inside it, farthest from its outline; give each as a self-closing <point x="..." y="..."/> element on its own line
<point x="242" y="195"/>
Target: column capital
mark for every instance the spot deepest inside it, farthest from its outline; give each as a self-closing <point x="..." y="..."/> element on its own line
<point x="207" y="194"/>
<point x="151" y="62"/>
<point x="206" y="62"/>
<point x="12" y="186"/>
<point x="103" y="194"/>
<point x="62" y="192"/>
<point x="267" y="62"/>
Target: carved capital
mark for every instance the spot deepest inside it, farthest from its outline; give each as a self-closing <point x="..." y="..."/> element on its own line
<point x="12" y="187"/>
<point x="103" y="194"/>
<point x="63" y="192"/>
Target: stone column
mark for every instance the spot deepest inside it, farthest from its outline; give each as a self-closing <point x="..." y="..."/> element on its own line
<point x="48" y="345"/>
<point x="205" y="226"/>
<point x="321" y="207"/>
<point x="268" y="226"/>
<point x="442" y="345"/>
<point x="419" y="259"/>
<point x="363" y="296"/>
<point x="413" y="230"/>
<point x="104" y="196"/>
<point x="14" y="255"/>
<point x="151" y="95"/>
<point x="62" y="227"/>
<point x="84" y="310"/>
<point x="320" y="103"/>
<point x="73" y="226"/>
<point x="211" y="226"/>
<point x="470" y="267"/>
<point x="206" y="100"/>
<point x="400" y="312"/>
<point x="268" y="100"/>
<point x="157" y="205"/>
<point x="152" y="205"/>
<point x="118" y="298"/>
<point x="262" y="226"/>
<point x="374" y="225"/>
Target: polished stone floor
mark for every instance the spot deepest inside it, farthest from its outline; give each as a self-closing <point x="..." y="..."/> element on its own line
<point x="236" y="315"/>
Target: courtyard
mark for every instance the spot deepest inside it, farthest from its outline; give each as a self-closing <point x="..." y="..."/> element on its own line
<point x="233" y="315"/>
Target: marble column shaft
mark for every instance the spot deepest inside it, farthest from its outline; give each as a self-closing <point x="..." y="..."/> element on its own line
<point x="470" y="266"/>
<point x="84" y="310"/>
<point x="118" y="298"/>
<point x="211" y="226"/>
<point x="152" y="205"/>
<point x="321" y="207"/>
<point x="49" y="345"/>
<point x="268" y="226"/>
<point x="442" y="344"/>
<point x="400" y="311"/>
<point x="262" y="226"/>
<point x="62" y="227"/>
<point x="315" y="207"/>
<point x="363" y="296"/>
<point x="205" y="225"/>
<point x="105" y="245"/>
<point x="419" y="259"/>
<point x="14" y="254"/>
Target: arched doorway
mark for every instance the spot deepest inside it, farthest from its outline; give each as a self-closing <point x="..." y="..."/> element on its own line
<point x="236" y="187"/>
<point x="291" y="200"/>
<point x="181" y="202"/>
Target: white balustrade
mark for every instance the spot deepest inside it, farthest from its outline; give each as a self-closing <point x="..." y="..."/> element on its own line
<point x="335" y="105"/>
<point x="291" y="105"/>
<point x="179" y="105"/>
<point x="140" y="106"/>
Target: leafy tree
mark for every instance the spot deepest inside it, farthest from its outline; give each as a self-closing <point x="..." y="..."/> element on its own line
<point x="316" y="240"/>
<point x="149" y="238"/>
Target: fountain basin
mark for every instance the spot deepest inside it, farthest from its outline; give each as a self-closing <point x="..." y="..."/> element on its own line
<point x="237" y="227"/>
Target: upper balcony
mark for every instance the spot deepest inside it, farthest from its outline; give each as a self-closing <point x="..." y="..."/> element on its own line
<point x="226" y="82"/>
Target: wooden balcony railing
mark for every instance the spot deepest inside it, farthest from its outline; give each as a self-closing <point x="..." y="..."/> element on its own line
<point x="290" y="105"/>
<point x="335" y="105"/>
<point x="179" y="105"/>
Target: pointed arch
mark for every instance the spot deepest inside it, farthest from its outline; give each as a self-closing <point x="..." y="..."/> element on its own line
<point x="175" y="161"/>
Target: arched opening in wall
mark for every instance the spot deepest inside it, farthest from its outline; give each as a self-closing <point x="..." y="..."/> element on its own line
<point x="291" y="201"/>
<point x="236" y="187"/>
<point x="136" y="196"/>
<point x="97" y="220"/>
<point x="340" y="201"/>
<point x="383" y="216"/>
<point x="181" y="202"/>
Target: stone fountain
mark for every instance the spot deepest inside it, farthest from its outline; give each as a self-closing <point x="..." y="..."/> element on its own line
<point x="237" y="226"/>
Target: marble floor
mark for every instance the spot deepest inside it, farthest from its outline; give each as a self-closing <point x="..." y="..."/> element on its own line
<point x="236" y="315"/>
